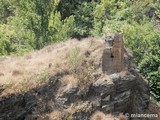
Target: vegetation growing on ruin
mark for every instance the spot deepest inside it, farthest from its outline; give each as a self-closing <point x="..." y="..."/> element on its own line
<point x="26" y="25"/>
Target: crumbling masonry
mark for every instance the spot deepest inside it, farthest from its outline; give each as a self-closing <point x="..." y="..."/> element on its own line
<point x="113" y="54"/>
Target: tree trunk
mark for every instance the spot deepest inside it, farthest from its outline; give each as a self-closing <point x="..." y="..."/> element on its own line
<point x="42" y="29"/>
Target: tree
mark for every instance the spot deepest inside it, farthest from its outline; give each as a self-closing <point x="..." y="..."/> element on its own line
<point x="5" y="11"/>
<point x="150" y="67"/>
<point x="44" y="9"/>
<point x="35" y="16"/>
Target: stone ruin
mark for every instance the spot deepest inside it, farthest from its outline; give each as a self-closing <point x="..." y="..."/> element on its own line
<point x="113" y="54"/>
<point x="122" y="91"/>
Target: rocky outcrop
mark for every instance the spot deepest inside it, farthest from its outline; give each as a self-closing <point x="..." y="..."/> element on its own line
<point x="122" y="92"/>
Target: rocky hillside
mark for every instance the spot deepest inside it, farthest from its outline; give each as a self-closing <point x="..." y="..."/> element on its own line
<point x="66" y="82"/>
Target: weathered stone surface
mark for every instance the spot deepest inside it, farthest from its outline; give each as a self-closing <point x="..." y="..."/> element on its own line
<point x="141" y="94"/>
<point x="122" y="101"/>
<point x="117" y="93"/>
<point x="103" y="86"/>
<point x="113" y="55"/>
<point x="115" y="77"/>
<point x="69" y="91"/>
<point x="28" y="117"/>
<point x="96" y="103"/>
<point x="107" y="99"/>
<point x="126" y="83"/>
<point x="81" y="116"/>
<point x="21" y="115"/>
<point x="108" y="107"/>
<point x="85" y="93"/>
<point x="68" y="95"/>
<point x="122" y="96"/>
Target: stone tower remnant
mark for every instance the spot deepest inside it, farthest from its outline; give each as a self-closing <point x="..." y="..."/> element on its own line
<point x="113" y="54"/>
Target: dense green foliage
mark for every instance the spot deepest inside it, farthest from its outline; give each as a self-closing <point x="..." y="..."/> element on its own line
<point x="26" y="25"/>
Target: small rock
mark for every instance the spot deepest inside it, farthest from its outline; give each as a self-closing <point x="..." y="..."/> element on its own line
<point x="106" y="99"/>
<point x="53" y="81"/>
<point x="69" y="91"/>
<point x="115" y="77"/>
<point x="123" y="96"/>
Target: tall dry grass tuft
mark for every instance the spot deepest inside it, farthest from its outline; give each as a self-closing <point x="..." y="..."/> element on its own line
<point x="74" y="60"/>
<point x="98" y="116"/>
<point x="80" y="65"/>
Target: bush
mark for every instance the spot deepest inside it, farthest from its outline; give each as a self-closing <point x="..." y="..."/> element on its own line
<point x="60" y="30"/>
<point x="13" y="41"/>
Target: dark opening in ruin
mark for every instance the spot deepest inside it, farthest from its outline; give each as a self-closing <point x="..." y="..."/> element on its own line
<point x="112" y="55"/>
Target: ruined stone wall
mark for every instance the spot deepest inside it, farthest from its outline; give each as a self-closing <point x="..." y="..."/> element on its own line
<point x="120" y="92"/>
<point x="113" y="55"/>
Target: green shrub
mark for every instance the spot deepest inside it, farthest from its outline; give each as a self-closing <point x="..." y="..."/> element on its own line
<point x="83" y="19"/>
<point x="14" y="41"/>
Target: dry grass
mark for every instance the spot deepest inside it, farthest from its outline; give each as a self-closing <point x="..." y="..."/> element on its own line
<point x="69" y="80"/>
<point x="25" y="84"/>
<point x="70" y="55"/>
<point x="153" y="109"/>
<point x="55" y="115"/>
<point x="78" y="107"/>
<point x="98" y="116"/>
<point x="74" y="60"/>
<point x="16" y="72"/>
<point x="101" y="116"/>
<point x="80" y="66"/>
